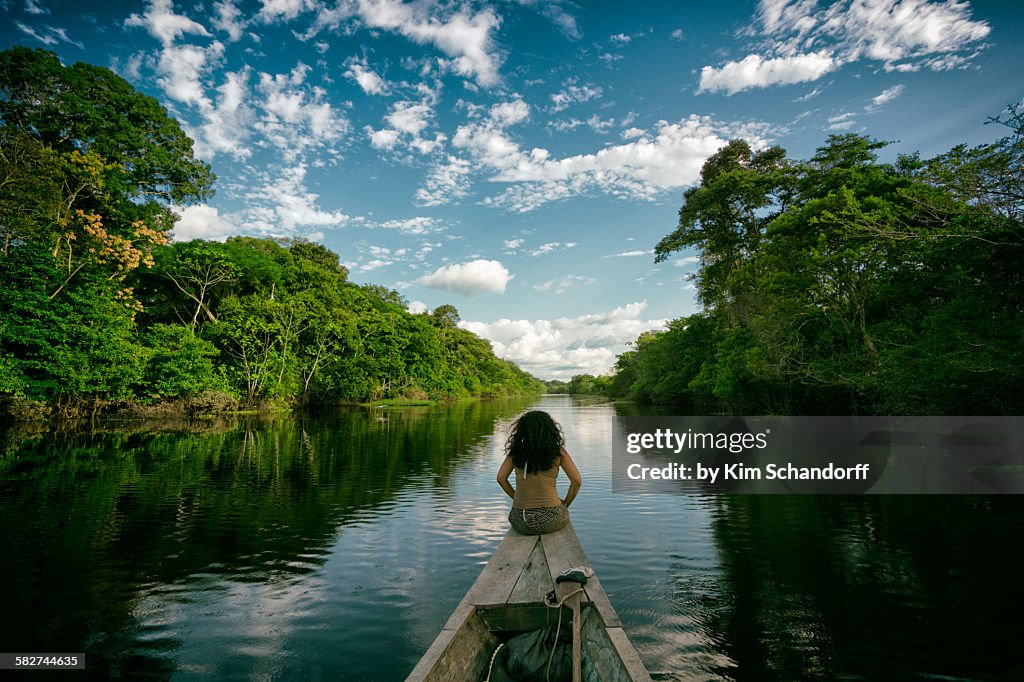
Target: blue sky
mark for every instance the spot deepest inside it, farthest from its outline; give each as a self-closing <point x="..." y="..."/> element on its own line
<point x="519" y="159"/>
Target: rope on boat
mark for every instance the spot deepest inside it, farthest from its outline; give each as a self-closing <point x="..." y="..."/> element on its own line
<point x="490" y="667"/>
<point x="556" y="605"/>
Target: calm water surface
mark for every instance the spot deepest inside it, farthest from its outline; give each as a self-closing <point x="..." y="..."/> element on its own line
<point x="336" y="547"/>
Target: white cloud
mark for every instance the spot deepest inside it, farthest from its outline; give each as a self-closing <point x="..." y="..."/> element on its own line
<point x="594" y="122"/>
<point x="297" y="116"/>
<point x="469" y="279"/>
<point x="226" y="126"/>
<point x="417" y="307"/>
<point x="562" y="284"/>
<point x="571" y="93"/>
<point x="512" y="244"/>
<point x="630" y="254"/>
<point x="753" y="71"/>
<point x="842" y="121"/>
<point x="407" y="120"/>
<point x="447" y="182"/>
<point x="202" y="222"/>
<point x="419" y="225"/>
<point x="565" y="346"/>
<point x="181" y="69"/>
<point x="670" y="157"/>
<point x="510" y="113"/>
<point x="163" y="24"/>
<point x="410" y="117"/>
<point x="686" y="261"/>
<point x="551" y="247"/>
<point x="810" y="95"/>
<point x="382" y="139"/>
<point x="803" y="41"/>
<point x="620" y="38"/>
<point x="894" y="30"/>
<point x="48" y="35"/>
<point x="276" y="10"/>
<point x="359" y="71"/>
<point x="227" y="20"/>
<point x="888" y="95"/>
<point x="33" y="7"/>
<point x="462" y="36"/>
<point x="283" y="205"/>
<point x="678" y="34"/>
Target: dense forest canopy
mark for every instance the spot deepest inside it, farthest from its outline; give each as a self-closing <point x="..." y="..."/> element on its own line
<point x="843" y="284"/>
<point x="99" y="306"/>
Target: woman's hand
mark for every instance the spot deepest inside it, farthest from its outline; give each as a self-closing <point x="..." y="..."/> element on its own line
<point x="504" y="471"/>
<point x="575" y="480"/>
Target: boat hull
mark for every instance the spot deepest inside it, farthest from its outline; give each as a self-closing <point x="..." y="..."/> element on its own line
<point x="508" y="597"/>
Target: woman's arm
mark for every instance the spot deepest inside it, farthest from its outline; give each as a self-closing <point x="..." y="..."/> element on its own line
<point x="575" y="481"/>
<point x="504" y="471"/>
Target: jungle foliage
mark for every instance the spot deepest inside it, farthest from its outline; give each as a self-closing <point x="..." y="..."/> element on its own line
<point x="99" y="306"/>
<point x="841" y="284"/>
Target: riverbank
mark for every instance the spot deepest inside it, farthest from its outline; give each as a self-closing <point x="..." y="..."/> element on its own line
<point x="207" y="405"/>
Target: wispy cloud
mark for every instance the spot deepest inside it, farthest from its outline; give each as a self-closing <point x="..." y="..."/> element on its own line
<point x="669" y="156"/>
<point x="35" y="7"/>
<point x="842" y="121"/>
<point x="551" y="247"/>
<point x="630" y="254"/>
<point x="561" y="285"/>
<point x="573" y="93"/>
<point x="279" y="203"/>
<point x="886" y="96"/>
<point x="48" y="35"/>
<point x="800" y="41"/>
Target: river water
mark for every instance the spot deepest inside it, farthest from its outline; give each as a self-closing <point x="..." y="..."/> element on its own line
<point x="335" y="548"/>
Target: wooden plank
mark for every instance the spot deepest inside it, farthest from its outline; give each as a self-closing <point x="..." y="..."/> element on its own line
<point x="604" y="606"/>
<point x="459" y="616"/>
<point x="563" y="550"/>
<point x="519" y="617"/>
<point x="635" y="669"/>
<point x="494" y="586"/>
<point x="535" y="580"/>
<point x="456" y="655"/>
<point x="430" y="659"/>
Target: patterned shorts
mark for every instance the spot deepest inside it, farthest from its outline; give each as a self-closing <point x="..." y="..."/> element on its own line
<point x="539" y="520"/>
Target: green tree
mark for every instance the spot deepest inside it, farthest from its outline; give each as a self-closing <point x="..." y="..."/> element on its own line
<point x="88" y="170"/>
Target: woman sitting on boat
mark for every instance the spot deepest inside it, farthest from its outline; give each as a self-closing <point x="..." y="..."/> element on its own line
<point x="535" y="451"/>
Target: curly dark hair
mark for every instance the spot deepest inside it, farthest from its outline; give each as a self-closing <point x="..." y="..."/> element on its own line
<point x="535" y="442"/>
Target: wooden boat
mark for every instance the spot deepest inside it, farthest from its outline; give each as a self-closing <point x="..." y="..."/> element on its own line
<point x="507" y="598"/>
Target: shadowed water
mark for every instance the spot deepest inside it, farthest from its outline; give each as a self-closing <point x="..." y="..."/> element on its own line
<point x="336" y="547"/>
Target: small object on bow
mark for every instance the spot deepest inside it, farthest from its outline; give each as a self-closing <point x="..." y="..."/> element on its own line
<point x="576" y="574"/>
